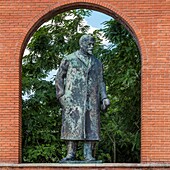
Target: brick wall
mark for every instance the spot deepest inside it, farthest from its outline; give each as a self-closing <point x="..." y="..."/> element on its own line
<point x="148" y="20"/>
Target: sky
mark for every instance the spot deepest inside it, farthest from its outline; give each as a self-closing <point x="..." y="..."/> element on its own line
<point x="96" y="19"/>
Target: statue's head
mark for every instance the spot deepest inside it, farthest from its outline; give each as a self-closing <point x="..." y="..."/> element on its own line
<point x="86" y="44"/>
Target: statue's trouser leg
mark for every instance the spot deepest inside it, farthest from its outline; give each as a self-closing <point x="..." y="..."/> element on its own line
<point x="88" y="151"/>
<point x="71" y="151"/>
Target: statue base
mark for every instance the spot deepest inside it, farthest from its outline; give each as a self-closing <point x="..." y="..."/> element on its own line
<point x="81" y="162"/>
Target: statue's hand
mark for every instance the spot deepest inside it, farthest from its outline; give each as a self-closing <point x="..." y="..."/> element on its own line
<point x="105" y="104"/>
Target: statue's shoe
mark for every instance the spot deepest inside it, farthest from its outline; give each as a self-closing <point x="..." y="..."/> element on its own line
<point x="68" y="158"/>
<point x="88" y="159"/>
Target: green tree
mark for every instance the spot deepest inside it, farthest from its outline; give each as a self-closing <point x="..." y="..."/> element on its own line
<point x="120" y="130"/>
<point x="121" y="123"/>
<point x="40" y="109"/>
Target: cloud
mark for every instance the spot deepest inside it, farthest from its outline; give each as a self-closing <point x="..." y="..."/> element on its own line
<point x="92" y="29"/>
<point x="26" y="52"/>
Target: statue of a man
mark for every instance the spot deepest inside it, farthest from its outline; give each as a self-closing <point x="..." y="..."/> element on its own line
<point x="81" y="92"/>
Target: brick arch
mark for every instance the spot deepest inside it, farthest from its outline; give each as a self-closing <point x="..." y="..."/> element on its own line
<point x="98" y="5"/>
<point x="63" y="6"/>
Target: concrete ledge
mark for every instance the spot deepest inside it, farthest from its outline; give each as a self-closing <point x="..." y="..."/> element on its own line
<point x="87" y="165"/>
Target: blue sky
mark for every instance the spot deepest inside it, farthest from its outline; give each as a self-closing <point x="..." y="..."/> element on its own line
<point x="96" y="19"/>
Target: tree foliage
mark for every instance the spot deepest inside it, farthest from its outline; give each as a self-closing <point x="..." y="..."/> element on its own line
<point x="120" y="125"/>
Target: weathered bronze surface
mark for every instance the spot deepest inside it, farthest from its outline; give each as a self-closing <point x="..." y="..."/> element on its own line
<point x="81" y="90"/>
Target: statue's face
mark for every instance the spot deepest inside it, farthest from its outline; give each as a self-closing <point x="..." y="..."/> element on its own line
<point x="87" y="45"/>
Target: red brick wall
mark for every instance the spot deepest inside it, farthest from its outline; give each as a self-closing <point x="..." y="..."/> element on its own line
<point x="149" y="20"/>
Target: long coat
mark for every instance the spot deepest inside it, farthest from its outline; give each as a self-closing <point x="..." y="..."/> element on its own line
<point x="80" y="90"/>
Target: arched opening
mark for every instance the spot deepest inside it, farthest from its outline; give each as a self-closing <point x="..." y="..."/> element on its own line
<point x="126" y="81"/>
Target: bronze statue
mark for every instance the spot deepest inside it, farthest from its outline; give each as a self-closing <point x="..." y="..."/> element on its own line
<point x="81" y="92"/>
